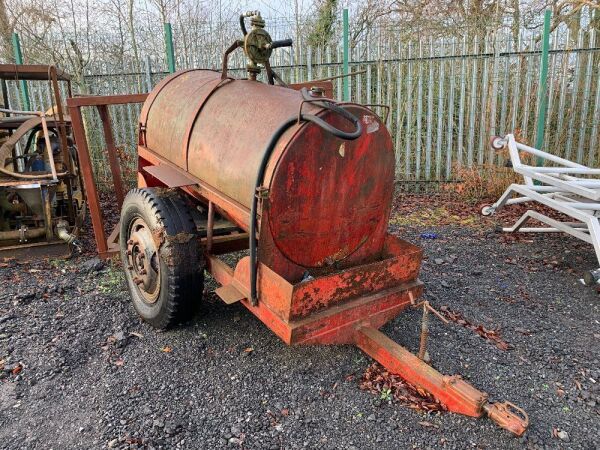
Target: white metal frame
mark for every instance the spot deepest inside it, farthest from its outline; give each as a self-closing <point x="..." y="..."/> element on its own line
<point x="567" y="187"/>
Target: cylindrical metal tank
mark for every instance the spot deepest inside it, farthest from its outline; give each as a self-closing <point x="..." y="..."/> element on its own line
<point x="327" y="197"/>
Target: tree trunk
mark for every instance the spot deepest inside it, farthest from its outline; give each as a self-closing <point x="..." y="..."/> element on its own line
<point x="6" y="29"/>
<point x="131" y="25"/>
<point x="516" y="25"/>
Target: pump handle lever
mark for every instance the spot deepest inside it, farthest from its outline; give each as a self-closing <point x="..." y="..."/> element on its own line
<point x="279" y="44"/>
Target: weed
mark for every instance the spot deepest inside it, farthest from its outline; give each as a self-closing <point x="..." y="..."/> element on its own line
<point x="57" y="263"/>
<point x="112" y="281"/>
<point x="488" y="181"/>
<point x="481" y="183"/>
<point x="386" y="394"/>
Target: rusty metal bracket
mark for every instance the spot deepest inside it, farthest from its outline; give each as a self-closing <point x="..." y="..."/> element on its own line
<point x="386" y="107"/>
<point x="230" y="50"/>
<point x="423" y="356"/>
<point x="262" y="192"/>
<point x="508" y="416"/>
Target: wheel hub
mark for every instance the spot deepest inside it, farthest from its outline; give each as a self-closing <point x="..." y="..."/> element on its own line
<point x="142" y="261"/>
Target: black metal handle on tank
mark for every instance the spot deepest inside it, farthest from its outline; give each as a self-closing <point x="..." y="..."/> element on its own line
<point x="281" y="43"/>
<point x="330" y="105"/>
<point x="349" y="136"/>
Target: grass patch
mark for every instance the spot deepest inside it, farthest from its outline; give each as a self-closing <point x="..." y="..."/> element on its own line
<point x="112" y="281"/>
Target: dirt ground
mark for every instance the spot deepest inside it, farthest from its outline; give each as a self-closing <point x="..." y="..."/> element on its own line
<point x="79" y="369"/>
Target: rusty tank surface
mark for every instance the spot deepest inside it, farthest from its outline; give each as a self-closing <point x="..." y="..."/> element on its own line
<point x="294" y="187"/>
<point x="328" y="198"/>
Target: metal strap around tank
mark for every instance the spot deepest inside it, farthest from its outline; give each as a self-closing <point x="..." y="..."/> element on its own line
<point x="154" y="93"/>
<point x="217" y="83"/>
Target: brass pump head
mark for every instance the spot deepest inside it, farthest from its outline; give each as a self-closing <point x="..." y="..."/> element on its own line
<point x="258" y="45"/>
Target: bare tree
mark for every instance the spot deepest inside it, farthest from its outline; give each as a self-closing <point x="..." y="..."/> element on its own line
<point x="132" y="33"/>
<point x="6" y="29"/>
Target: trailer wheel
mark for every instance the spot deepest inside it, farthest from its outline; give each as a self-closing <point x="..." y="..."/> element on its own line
<point x="163" y="262"/>
<point x="591" y="277"/>
<point x="487" y="210"/>
<point x="497" y="143"/>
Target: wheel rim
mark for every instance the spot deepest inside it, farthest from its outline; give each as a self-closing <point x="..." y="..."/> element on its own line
<point x="142" y="261"/>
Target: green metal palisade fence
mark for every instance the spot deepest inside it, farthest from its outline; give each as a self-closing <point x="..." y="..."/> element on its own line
<point x="446" y="96"/>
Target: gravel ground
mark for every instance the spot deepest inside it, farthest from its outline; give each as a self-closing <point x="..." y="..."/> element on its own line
<point x="81" y="371"/>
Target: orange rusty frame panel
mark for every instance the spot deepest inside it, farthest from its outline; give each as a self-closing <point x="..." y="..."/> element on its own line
<point x="99" y="100"/>
<point x="334" y="325"/>
<point x="337" y="324"/>
<point x="401" y="263"/>
<point x="105" y="249"/>
<point x="225" y="206"/>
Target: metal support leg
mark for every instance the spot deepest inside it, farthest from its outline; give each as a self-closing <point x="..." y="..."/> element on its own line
<point x="47" y="212"/>
<point x="424" y="334"/>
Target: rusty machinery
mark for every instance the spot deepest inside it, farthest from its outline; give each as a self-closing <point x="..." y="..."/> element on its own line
<point x="302" y="182"/>
<point x="41" y="201"/>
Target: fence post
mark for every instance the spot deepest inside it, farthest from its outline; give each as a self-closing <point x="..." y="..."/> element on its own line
<point x="169" y="47"/>
<point x="345" y="90"/>
<point x="542" y="86"/>
<point x="19" y="60"/>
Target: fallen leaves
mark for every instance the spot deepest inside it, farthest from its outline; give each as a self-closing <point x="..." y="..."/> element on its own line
<point x="16" y="369"/>
<point x="432" y="215"/>
<point x="447" y="208"/>
<point x="166" y="349"/>
<point x="378" y="380"/>
<point x="134" y="441"/>
<point x="486" y="333"/>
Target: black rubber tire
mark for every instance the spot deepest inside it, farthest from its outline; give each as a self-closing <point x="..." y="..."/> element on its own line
<point x="179" y="255"/>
